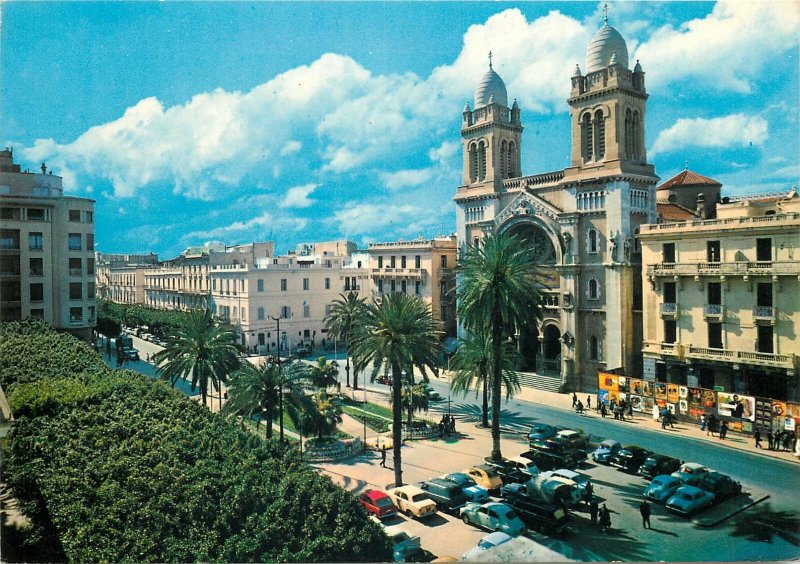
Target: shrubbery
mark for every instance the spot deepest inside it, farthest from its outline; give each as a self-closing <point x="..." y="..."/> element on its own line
<point x="112" y="466"/>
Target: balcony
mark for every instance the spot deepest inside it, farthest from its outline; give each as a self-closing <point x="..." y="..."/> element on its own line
<point x="713" y="311"/>
<point x="716" y="225"/>
<point x="771" y="360"/>
<point x="416" y="273"/>
<point x="764" y="313"/>
<point x="741" y="268"/>
<point x="669" y="310"/>
<point x="667" y="349"/>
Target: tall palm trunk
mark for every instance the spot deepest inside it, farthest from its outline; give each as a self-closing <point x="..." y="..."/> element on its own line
<point x="269" y="423"/>
<point x="497" y="334"/>
<point x="397" y="422"/>
<point x="355" y="374"/>
<point x="485" y="410"/>
<point x="410" y="397"/>
<point x="280" y="409"/>
<point x="347" y="364"/>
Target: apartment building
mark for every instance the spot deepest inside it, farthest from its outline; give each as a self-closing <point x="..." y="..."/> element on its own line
<point x="423" y="267"/>
<point x="120" y="278"/>
<point x="722" y="298"/>
<point x="47" y="264"/>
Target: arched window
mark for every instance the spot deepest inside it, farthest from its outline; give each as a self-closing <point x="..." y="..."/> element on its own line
<point x="503" y="159"/>
<point x="600" y="135"/>
<point x="473" y="162"/>
<point x="512" y="160"/>
<point x="481" y="161"/>
<point x="628" y="134"/>
<point x="476" y="241"/>
<point x="591" y="240"/>
<point x="587" y="137"/>
<point x="594" y="348"/>
<point x="637" y="137"/>
<point x="594" y="289"/>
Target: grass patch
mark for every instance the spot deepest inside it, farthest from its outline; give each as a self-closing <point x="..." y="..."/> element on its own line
<point x="371" y="408"/>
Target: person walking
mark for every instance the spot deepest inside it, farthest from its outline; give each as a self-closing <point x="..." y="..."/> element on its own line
<point x="588" y="402"/>
<point x="703" y="422"/>
<point x="644" y="509"/>
<point x="605" y="519"/>
<point x="723" y="430"/>
<point x="712" y="425"/>
<point x="670" y="419"/>
<point x="383" y="457"/>
<point x="588" y="494"/>
<point x="574" y="399"/>
<point x="593" y="510"/>
<point x="770" y="439"/>
<point x="757" y="437"/>
<point x="622" y="410"/>
<point x="603" y="410"/>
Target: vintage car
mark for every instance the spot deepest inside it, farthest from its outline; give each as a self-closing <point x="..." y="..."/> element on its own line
<point x="662" y="487"/>
<point x="630" y="458"/>
<point x="605" y="451"/>
<point x="689" y="500"/>
<point x="486" y="477"/>
<point x="489" y="541"/>
<point x="690" y="473"/>
<point x="493" y="516"/>
<point x="540" y="432"/>
<point x="412" y="501"/>
<point x="377" y="503"/>
<point x="656" y="464"/>
<point x="721" y="485"/>
<point x="472" y="491"/>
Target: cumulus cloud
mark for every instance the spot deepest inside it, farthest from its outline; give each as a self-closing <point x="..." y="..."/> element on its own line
<point x="291" y="147"/>
<point x="406" y="178"/>
<point x="726" y="50"/>
<point x="298" y="196"/>
<point x="791" y="173"/>
<point x="735" y="130"/>
<point x="260" y="226"/>
<point x="357" y="218"/>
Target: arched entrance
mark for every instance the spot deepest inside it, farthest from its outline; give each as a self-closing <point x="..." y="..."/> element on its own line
<point x="550" y="359"/>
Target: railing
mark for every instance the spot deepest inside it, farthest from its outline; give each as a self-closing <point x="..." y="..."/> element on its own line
<point x="672" y="349"/>
<point x="764" y="312"/>
<point x="716" y="223"/>
<point x="75" y="272"/>
<point x="735" y="356"/>
<point x="668" y="308"/>
<point x="534" y="180"/>
<point x="410" y="272"/>
<point x="713" y="310"/>
<point x="741" y="268"/>
<point x="548" y="365"/>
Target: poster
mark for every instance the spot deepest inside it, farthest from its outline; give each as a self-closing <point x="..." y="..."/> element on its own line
<point x="734" y="405"/>
<point x="672" y="393"/>
<point x="683" y="392"/>
<point x="640" y="387"/>
<point x="683" y="407"/>
<point x="610" y="384"/>
<point x="636" y="402"/>
<point x="660" y="392"/>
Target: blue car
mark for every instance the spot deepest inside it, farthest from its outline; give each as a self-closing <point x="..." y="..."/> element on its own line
<point x="662" y="487"/>
<point x="472" y="491"/>
<point x="539" y="432"/>
<point x="689" y="500"/>
<point x="605" y="451"/>
<point x="493" y="516"/>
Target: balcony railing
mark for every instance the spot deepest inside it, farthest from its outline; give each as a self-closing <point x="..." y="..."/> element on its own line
<point x="671" y="349"/>
<point x="764" y="313"/>
<point x="668" y="308"/>
<point x="550" y="366"/>
<point x="716" y="224"/>
<point x="741" y="268"/>
<point x="713" y="310"/>
<point x="400" y="272"/>
<point x="746" y="357"/>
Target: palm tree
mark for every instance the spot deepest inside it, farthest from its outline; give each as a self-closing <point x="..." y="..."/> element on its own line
<point x="322" y="415"/>
<point x="396" y="332"/>
<point x="471" y="365"/>
<point x="341" y="323"/>
<point x="324" y="373"/>
<point x="498" y="293"/>
<point x="292" y="398"/>
<point x="255" y="390"/>
<point x="201" y="347"/>
<point x="414" y="398"/>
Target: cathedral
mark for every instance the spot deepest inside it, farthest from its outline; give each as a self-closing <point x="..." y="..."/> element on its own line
<point x="582" y="223"/>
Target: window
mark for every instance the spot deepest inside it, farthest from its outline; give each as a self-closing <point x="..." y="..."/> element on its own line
<point x="670" y="331"/>
<point x="714" y="293"/>
<point x="417" y="261"/>
<point x="261" y="313"/>
<point x="391" y="261"/>
<point x="37" y="292"/>
<point x="764" y="294"/>
<point x="402" y="261"/>
<point x="443" y="313"/>
<point x="306" y="284"/>
<point x="594" y="289"/>
<point x="90" y="241"/>
<point x="403" y="286"/>
<point x="306" y="310"/>
<point x="380" y="262"/>
<point x="327" y="283"/>
<point x="89" y="266"/>
<point x="36" y="266"/>
<point x="91" y="291"/>
<point x="670" y="295"/>
<point x="74" y="241"/>
<point x="286" y="312"/>
<point x="417" y="287"/>
<point x="260" y="285"/>
<point x="75" y="314"/>
<point x="668" y="253"/>
<point x="594" y="348"/>
<point x="764" y="250"/>
<point x="591" y="241"/>
<point x="443" y="288"/>
<point x="75" y="267"/>
<point x="764" y="343"/>
<point x="76" y="291"/>
<point x="346" y="284"/>
<point x="712" y="251"/>
<point x="74" y="215"/>
<point x="587" y="137"/>
<point x="35" y="214"/>
<point x="393" y="286"/>
<point x="600" y="132"/>
<point x="91" y="313"/>
<point x="380" y="286"/>
<point x="89" y="217"/>
<point x="443" y="261"/>
<point x="9" y="213"/>
<point x="37" y="314"/>
<point x="284" y="284"/>
<point x="35" y="241"/>
<point x="715" y="335"/>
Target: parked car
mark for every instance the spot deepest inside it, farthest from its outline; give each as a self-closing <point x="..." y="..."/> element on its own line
<point x="493" y="516"/>
<point x="489" y="541"/>
<point x="540" y="432"/>
<point x="486" y="477"/>
<point x="689" y="500"/>
<point x="548" y="518"/>
<point x="545" y="460"/>
<point x="721" y="485"/>
<point x="524" y="465"/>
<point x="412" y="501"/>
<point x="690" y="473"/>
<point x="472" y="491"/>
<point x="447" y="494"/>
<point x="302" y="351"/>
<point x="404" y="546"/>
<point x="377" y="503"/>
<point x="576" y="439"/>
<point x="581" y="480"/>
<point x="605" y="451"/>
<point x="662" y="487"/>
<point x="559" y="447"/>
<point x="507" y="471"/>
<point x="630" y="458"/>
<point x="656" y="464"/>
<point x="571" y="495"/>
<point x="509" y="491"/>
<point x="433" y="395"/>
<point x="129" y="353"/>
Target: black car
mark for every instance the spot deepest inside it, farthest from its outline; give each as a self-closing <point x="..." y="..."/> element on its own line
<point x="571" y="456"/>
<point x="630" y="458"/>
<point x="447" y="494"/>
<point x="721" y="485"/>
<point x="508" y="471"/>
<point x="550" y="519"/>
<point x="656" y="464"/>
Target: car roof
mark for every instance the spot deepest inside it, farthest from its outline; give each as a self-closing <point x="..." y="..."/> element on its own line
<point x="665" y="478"/>
<point x="442" y="481"/>
<point x="375" y="495"/>
<point x="694" y="465"/>
<point x="497" y="537"/>
<point x="409" y="489"/>
<point x="689" y="489"/>
<point x="609" y="442"/>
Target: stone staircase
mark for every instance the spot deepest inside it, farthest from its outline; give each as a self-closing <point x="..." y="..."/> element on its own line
<point x="539" y="381"/>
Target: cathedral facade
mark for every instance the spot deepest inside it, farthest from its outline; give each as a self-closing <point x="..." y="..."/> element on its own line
<point x="581" y="223"/>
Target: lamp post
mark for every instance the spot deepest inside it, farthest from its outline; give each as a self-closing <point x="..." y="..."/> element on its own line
<point x="365" y="419"/>
<point x="280" y="379"/>
<point x="449" y="385"/>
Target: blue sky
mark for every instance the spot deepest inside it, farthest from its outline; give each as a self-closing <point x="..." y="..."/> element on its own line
<point x="291" y="122"/>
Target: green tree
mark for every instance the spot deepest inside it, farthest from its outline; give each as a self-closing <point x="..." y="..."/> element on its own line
<point x="321" y="415"/>
<point x="324" y="373"/>
<point x="497" y="293"/>
<point x="414" y="399"/>
<point x="396" y="332"/>
<point x="255" y="390"/>
<point x="342" y="321"/>
<point x="292" y="398"/>
<point x="471" y="365"/>
<point x="201" y="348"/>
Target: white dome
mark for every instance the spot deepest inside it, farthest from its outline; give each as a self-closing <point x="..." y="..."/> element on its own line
<point x="491" y="89"/>
<point x="605" y="44"/>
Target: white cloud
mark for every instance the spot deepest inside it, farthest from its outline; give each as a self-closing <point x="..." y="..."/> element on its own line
<point x="777" y="159"/>
<point x="726" y="50"/>
<point x="406" y="178"/>
<point x="298" y="196"/>
<point x="260" y="226"/>
<point x="357" y="218"/>
<point x="729" y="131"/>
<point x="791" y="173"/>
<point x="291" y="147"/>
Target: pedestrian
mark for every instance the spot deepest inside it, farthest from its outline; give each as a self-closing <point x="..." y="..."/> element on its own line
<point x="787" y="440"/>
<point x="593" y="510"/>
<point x="770" y="439"/>
<point x="723" y="430"/>
<point x="588" y="493"/>
<point x="622" y="410"/>
<point x="644" y="509"/>
<point x="574" y="399"/>
<point x="670" y="419"/>
<point x="630" y="410"/>
<point x="441" y="429"/>
<point x="616" y="412"/>
<point x="664" y="418"/>
<point x="703" y="422"/>
<point x="603" y="410"/>
<point x="579" y="406"/>
<point x="712" y="425"/>
<point x="588" y="402"/>
<point x="757" y="437"/>
<point x="383" y="457"/>
<point x="147" y="357"/>
<point x="605" y="519"/>
<point x="452" y="425"/>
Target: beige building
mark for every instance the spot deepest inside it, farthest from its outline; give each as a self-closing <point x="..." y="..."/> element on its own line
<point x="293" y="291"/>
<point x="47" y="265"/>
<point x="581" y="222"/>
<point x="422" y="267"/>
<point x="120" y="278"/>
<point x="722" y="296"/>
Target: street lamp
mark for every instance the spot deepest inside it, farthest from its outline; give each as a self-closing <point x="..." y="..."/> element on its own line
<point x="280" y="379"/>
<point x="449" y="385"/>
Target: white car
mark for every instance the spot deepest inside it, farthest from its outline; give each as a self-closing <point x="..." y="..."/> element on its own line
<point x="690" y="473"/>
<point x="412" y="501"/>
<point x="581" y="480"/>
<point x="575" y="494"/>
<point x="489" y="541"/>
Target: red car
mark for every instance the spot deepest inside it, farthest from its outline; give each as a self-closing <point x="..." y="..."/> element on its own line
<point x="377" y="503"/>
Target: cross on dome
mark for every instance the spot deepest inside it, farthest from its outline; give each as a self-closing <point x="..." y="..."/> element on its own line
<point x="605" y="13"/>
<point x="490" y="59"/>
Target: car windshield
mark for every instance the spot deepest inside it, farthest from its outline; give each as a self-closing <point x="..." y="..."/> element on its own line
<point x="418" y="497"/>
<point x="684" y="495"/>
<point x="511" y="515"/>
<point x="384" y="502"/>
